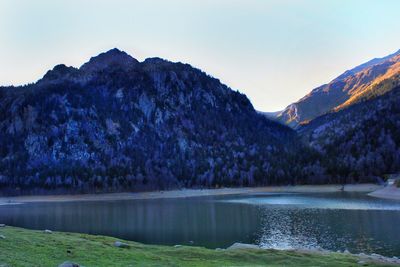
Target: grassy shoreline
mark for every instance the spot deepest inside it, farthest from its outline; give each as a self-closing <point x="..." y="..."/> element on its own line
<point x="22" y="247"/>
<point x="366" y="188"/>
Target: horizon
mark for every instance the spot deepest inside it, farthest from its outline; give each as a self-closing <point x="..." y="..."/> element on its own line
<point x="252" y="48"/>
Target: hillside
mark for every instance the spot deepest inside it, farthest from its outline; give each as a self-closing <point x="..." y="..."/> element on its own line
<point x="118" y="124"/>
<point x="363" y="82"/>
<point x="362" y="140"/>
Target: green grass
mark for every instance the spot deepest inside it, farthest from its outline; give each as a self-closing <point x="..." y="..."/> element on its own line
<point x="23" y="247"/>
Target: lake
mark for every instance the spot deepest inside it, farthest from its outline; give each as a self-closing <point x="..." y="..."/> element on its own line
<point x="334" y="221"/>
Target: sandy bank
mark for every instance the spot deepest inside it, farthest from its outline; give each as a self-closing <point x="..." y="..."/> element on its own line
<point x="191" y="193"/>
<point x="388" y="192"/>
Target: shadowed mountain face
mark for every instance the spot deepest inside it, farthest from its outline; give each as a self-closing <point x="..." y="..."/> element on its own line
<point x="119" y="124"/>
<point x="364" y="82"/>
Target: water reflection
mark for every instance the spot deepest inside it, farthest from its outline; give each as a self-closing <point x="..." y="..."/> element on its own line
<point x="285" y="229"/>
<point x="172" y="221"/>
<point x="330" y="221"/>
<point x="320" y="201"/>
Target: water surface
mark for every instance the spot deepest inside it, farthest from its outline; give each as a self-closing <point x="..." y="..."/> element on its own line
<point x="334" y="221"/>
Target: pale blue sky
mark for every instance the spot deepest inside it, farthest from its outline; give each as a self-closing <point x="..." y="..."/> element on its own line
<point x="274" y="51"/>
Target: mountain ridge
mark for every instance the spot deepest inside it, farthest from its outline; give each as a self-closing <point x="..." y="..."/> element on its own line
<point x="361" y="82"/>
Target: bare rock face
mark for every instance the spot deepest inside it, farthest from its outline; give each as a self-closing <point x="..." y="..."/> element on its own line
<point x="120" y="244"/>
<point x="68" y="264"/>
<point x="243" y="246"/>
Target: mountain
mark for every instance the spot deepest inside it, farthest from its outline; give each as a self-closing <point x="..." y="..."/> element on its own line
<point x="118" y="124"/>
<point x="366" y="81"/>
<point x="359" y="141"/>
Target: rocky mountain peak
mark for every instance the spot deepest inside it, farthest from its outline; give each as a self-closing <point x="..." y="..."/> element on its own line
<point x="113" y="57"/>
<point x="155" y="60"/>
<point x="60" y="71"/>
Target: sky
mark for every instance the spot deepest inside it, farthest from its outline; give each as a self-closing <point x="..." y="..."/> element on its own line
<point x="274" y="51"/>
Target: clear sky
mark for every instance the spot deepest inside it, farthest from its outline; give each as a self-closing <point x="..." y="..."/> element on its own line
<point x="274" y="51"/>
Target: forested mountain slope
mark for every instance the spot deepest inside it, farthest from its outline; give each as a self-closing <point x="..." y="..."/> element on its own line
<point x="360" y="141"/>
<point x="119" y="124"/>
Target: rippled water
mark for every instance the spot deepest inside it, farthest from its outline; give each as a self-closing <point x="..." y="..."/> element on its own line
<point x="334" y="221"/>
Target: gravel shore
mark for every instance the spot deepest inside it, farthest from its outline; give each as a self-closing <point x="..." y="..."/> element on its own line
<point x="184" y="193"/>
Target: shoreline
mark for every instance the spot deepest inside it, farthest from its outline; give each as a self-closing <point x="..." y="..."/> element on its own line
<point x="185" y="193"/>
<point x="387" y="192"/>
